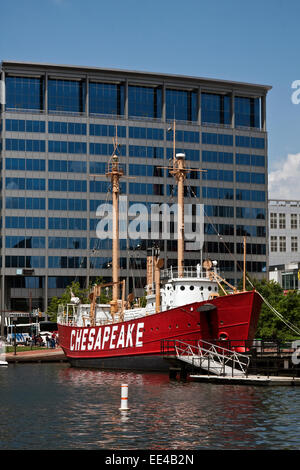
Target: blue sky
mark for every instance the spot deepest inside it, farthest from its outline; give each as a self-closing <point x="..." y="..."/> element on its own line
<point x="253" y="41"/>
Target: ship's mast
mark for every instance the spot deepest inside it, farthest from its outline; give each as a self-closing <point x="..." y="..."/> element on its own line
<point x="115" y="173"/>
<point x="179" y="173"/>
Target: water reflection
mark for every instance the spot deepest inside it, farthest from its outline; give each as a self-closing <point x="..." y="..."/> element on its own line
<point x="54" y="406"/>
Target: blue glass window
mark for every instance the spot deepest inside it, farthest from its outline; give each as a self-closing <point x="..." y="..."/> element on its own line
<point x="217" y="139"/>
<point x="145" y="170"/>
<point x="58" y="146"/>
<point x="22" y="145"/>
<point x="104" y="130"/>
<point x="251" y="213"/>
<point x="67" y="166"/>
<point x="222" y="229"/>
<point x="146" y="133"/>
<point x="250" y="195"/>
<point x="184" y="136"/>
<point x="251" y="231"/>
<point x="146" y="188"/>
<point x="251" y="142"/>
<point x="95" y="203"/>
<point x="24" y="261"/>
<point x="36" y="184"/>
<point x="105" y="149"/>
<point x="146" y="152"/>
<point x="217" y="193"/>
<point x="66" y="262"/>
<point x="25" y="222"/>
<point x="252" y="248"/>
<point x="20" y="125"/>
<point x="28" y="164"/>
<point x="217" y="157"/>
<point x="106" y="98"/>
<point x="98" y="167"/>
<point x="247" y="159"/>
<point x="215" y="108"/>
<point x="247" y="177"/>
<point x="67" y="204"/>
<point x="104" y="186"/>
<point x="218" y="175"/>
<point x="181" y="105"/>
<point x="105" y="263"/>
<point x="247" y="111"/>
<point x="24" y="242"/>
<point x="66" y="95"/>
<point x="57" y="223"/>
<point x="67" y="185"/>
<point x="219" y="211"/>
<point x="65" y="243"/>
<point x="73" y="128"/>
<point x="144" y="101"/>
<point x="25" y="203"/>
<point x="189" y="191"/>
<point x="24" y="93"/>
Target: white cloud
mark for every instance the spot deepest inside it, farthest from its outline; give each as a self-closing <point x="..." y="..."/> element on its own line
<point x="284" y="183"/>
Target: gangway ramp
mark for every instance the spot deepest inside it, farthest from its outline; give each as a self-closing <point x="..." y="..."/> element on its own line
<point x="212" y="358"/>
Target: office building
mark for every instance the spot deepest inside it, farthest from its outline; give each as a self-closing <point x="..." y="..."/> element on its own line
<point x="57" y="129"/>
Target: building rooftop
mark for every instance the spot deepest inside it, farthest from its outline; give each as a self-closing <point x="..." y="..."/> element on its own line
<point x="135" y="74"/>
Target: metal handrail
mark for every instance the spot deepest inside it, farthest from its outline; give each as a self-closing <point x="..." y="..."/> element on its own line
<point x="188" y="271"/>
<point x="216" y="354"/>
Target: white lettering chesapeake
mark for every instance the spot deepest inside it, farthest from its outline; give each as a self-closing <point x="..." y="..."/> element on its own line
<point x="139" y="335"/>
<point x="113" y="337"/>
<point x="97" y="344"/>
<point x="77" y="340"/>
<point x="121" y="339"/>
<point x="91" y="339"/>
<point x="73" y="333"/>
<point x="106" y="335"/>
<point x="129" y="335"/>
<point x="83" y="341"/>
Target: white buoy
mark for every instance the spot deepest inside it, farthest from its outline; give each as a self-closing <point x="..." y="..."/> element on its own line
<point x="124" y="397"/>
<point x="3" y="362"/>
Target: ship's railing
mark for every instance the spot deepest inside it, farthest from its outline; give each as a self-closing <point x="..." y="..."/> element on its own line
<point x="188" y="271"/>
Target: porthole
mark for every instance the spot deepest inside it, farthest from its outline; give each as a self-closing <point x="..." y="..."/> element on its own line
<point x="191" y="287"/>
<point x="182" y="287"/>
<point x="201" y="288"/>
<point x="209" y="287"/>
<point x="189" y="325"/>
<point x="223" y="336"/>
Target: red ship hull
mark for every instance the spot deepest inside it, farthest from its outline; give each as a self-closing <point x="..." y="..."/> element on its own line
<point x="137" y="344"/>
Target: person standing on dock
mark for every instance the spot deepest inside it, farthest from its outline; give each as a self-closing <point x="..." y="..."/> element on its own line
<point x="53" y="341"/>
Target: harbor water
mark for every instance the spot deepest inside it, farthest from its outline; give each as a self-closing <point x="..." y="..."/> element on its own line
<point x="55" y="406"/>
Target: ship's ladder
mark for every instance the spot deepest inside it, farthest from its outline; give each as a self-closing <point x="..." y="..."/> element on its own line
<point x="212" y="358"/>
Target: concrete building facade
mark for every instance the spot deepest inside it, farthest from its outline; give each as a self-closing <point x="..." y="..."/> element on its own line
<point x="284" y="231"/>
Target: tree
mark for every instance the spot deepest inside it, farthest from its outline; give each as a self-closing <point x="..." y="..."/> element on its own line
<point x="77" y="291"/>
<point x="288" y="305"/>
